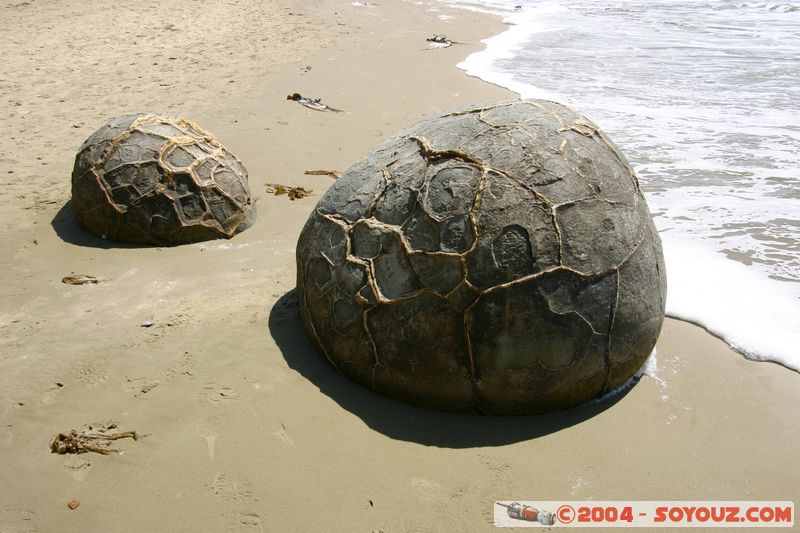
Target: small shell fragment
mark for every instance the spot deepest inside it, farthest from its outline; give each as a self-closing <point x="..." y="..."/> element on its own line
<point x="294" y="193"/>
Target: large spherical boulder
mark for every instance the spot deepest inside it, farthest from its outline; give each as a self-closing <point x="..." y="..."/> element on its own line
<point x="498" y="258"/>
<point x="150" y="179"/>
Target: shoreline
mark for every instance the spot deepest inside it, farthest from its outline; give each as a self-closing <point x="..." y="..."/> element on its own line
<point x="470" y="70"/>
<point x="700" y="273"/>
<point x="243" y="419"/>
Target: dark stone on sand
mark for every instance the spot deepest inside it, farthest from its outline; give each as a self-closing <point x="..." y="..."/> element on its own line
<point x="498" y="258"/>
<point x="148" y="179"/>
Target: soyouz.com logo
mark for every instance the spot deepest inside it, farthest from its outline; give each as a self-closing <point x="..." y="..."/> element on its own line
<point x="669" y="514"/>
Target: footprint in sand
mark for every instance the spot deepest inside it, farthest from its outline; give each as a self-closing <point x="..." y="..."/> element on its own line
<point x="89" y="374"/>
<point x="247" y="521"/>
<point x="459" y="493"/>
<point x="229" y="488"/>
<point x="183" y="367"/>
<point x="138" y="387"/>
<point x="210" y="435"/>
<point x="7" y="435"/>
<point x="51" y="394"/>
<point x="283" y="434"/>
<point x="500" y="470"/>
<point x="216" y="394"/>
<point x="77" y="466"/>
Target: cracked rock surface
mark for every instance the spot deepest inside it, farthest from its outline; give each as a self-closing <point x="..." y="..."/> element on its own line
<point x="498" y="258"/>
<point x="150" y="179"/>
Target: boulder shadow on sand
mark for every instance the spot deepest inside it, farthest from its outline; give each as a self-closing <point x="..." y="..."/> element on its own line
<point x="69" y="230"/>
<point x="402" y="421"/>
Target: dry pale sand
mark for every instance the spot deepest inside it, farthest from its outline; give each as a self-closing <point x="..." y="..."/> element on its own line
<point x="247" y="427"/>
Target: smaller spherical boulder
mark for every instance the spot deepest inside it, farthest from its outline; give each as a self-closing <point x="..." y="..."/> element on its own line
<point x="150" y="179"/>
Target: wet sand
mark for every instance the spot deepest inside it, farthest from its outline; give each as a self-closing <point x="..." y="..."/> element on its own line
<point x="247" y="427"/>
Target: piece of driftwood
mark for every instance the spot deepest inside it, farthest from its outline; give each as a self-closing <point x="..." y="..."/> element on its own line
<point x="79" y="279"/>
<point x="74" y="442"/>
<point x="321" y="172"/>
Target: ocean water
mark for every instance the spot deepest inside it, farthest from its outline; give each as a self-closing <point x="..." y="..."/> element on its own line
<point x="703" y="98"/>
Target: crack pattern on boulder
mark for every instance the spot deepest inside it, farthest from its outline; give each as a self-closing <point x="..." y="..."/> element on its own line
<point x="149" y="179"/>
<point x="497" y="258"/>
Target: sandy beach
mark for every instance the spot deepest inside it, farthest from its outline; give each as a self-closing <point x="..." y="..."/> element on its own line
<point x="245" y="427"/>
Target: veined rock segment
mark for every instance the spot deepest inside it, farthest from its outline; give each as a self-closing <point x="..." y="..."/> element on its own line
<point x="498" y="258"/>
<point x="149" y="179"/>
